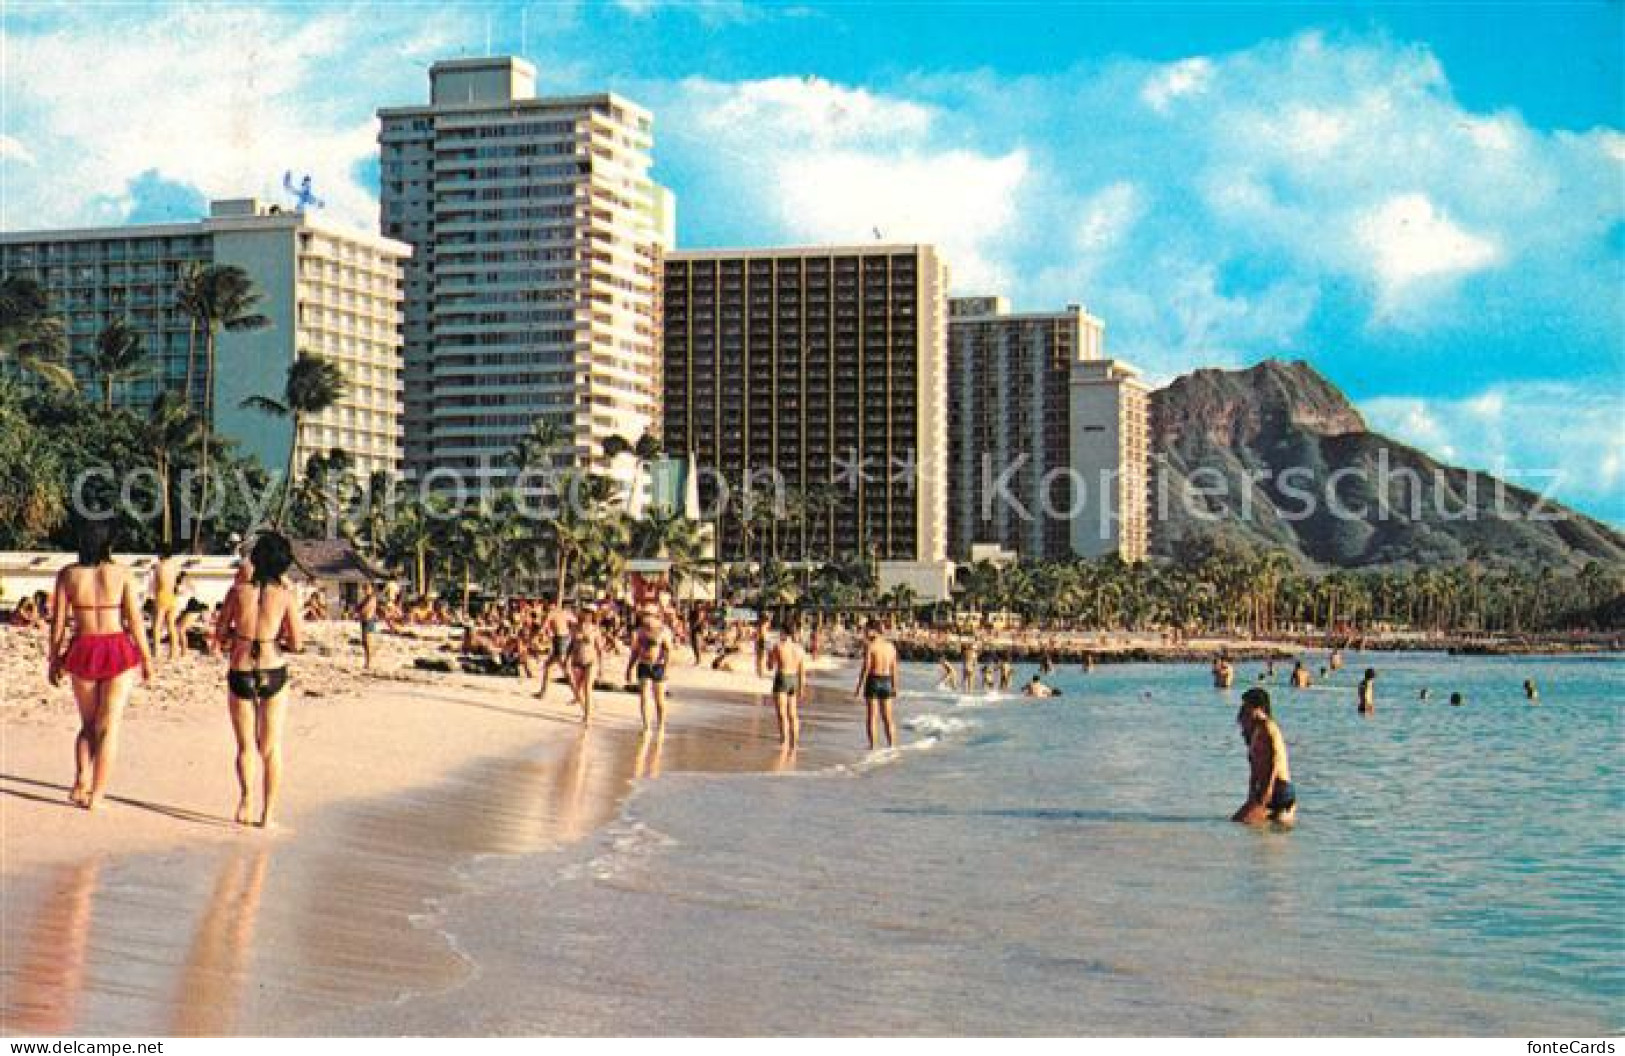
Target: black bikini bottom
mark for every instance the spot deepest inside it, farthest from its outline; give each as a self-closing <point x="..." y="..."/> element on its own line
<point x="259" y="684"/>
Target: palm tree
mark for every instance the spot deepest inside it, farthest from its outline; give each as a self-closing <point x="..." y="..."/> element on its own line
<point x="31" y="333"/>
<point x="536" y="448"/>
<point x="409" y="539"/>
<point x="644" y="450"/>
<point x="170" y="431"/>
<point x="314" y="384"/>
<point x="118" y="357"/>
<point x="189" y="302"/>
<point x="226" y="299"/>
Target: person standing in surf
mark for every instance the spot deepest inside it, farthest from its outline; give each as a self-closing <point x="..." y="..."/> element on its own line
<point x="788" y="662"/>
<point x="1270" y="795"/>
<point x="877" y="684"/>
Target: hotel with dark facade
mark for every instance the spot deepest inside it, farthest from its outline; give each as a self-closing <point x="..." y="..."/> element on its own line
<point x="828" y="366"/>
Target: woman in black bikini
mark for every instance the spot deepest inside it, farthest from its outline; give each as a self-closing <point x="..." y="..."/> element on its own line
<point x="108" y="644"/>
<point x="260" y="619"/>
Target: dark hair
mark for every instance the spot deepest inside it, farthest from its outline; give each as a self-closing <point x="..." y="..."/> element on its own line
<point x="1371" y="672"/>
<point x="1256" y="698"/>
<point x="271" y="557"/>
<point x="95" y="543"/>
<point x="166" y="550"/>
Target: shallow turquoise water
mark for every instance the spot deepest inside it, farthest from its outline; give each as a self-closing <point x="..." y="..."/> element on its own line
<point x="1065" y="866"/>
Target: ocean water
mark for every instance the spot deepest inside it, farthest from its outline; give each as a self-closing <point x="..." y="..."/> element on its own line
<point x="1066" y="866"/>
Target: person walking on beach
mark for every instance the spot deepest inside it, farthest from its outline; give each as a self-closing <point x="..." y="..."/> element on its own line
<point x="165" y="573"/>
<point x="108" y="644"/>
<point x="788" y="662"/>
<point x="1270" y="795"/>
<point x="651" y="651"/>
<point x="1367" y="693"/>
<point x="586" y="655"/>
<point x="559" y="626"/>
<point x="877" y="683"/>
<point x="763" y="625"/>
<point x="366" y="612"/>
<point x="259" y="621"/>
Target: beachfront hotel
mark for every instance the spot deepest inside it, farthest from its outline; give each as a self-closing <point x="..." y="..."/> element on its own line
<point x="1047" y="440"/>
<point x="826" y="364"/>
<point x="535" y="289"/>
<point x="327" y="288"/>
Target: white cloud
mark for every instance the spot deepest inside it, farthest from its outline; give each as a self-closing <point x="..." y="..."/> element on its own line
<point x="1176" y="81"/>
<point x="805" y="109"/>
<point x="958" y="200"/>
<point x="1410" y="240"/>
<point x="220" y="99"/>
<point x="808" y="160"/>
<point x="12" y="149"/>
<point x="707" y="10"/>
<point x="1108" y="216"/>
<point x="1531" y="433"/>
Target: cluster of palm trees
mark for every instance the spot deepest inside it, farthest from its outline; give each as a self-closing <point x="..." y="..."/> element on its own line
<point x="178" y="429"/>
<point x="1264" y="594"/>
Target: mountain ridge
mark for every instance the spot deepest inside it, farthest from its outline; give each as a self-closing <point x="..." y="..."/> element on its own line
<point x="1276" y="457"/>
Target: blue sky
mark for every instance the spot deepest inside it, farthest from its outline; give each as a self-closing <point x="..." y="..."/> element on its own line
<point x="1426" y="201"/>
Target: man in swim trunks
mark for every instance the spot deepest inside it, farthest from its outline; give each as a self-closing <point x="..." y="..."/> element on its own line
<point x="366" y="612"/>
<point x="877" y="683"/>
<point x="788" y="662"/>
<point x="559" y="626"/>
<point x="651" y="652"/>
<point x="1270" y="795"/>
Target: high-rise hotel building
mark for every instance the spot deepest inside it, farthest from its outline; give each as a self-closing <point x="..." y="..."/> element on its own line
<point x="828" y="366"/>
<point x="326" y="288"/>
<point x="1047" y="439"/>
<point x="535" y="289"/>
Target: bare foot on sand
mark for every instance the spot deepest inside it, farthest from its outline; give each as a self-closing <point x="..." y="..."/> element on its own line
<point x="243" y="812"/>
<point x="79" y="795"/>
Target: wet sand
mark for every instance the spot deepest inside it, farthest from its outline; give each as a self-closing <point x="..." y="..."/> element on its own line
<point x="159" y="916"/>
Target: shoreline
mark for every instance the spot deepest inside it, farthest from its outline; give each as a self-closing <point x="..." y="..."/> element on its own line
<point x="234" y="930"/>
<point x="1066" y="647"/>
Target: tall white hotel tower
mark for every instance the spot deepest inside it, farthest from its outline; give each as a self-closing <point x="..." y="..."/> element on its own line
<point x="534" y="288"/>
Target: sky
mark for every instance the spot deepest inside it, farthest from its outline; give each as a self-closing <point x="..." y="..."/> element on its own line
<point x="1426" y="201"/>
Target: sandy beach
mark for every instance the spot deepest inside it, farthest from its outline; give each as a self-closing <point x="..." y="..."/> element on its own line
<point x="157" y="914"/>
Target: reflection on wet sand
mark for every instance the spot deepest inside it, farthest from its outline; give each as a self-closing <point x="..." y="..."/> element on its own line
<point x="210" y="983"/>
<point x="336" y="925"/>
<point x="42" y="992"/>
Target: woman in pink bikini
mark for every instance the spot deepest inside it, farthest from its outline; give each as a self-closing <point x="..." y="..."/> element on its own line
<point x="108" y="645"/>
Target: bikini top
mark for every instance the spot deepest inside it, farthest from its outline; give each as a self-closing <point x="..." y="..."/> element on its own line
<point x="259" y="610"/>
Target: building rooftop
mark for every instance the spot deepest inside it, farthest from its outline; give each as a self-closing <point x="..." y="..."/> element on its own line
<point x="225" y="214"/>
